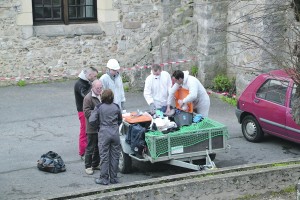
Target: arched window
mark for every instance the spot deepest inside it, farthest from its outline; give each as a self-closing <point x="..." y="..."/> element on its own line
<point x="64" y="11"/>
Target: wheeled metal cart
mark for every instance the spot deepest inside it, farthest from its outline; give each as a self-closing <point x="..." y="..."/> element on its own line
<point x="183" y="148"/>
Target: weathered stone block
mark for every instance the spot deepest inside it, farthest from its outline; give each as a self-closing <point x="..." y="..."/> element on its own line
<point x="131" y="24"/>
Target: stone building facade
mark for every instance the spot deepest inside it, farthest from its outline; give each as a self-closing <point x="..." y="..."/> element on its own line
<point x="138" y="33"/>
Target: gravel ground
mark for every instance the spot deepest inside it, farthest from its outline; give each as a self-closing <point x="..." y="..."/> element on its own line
<point x="271" y="196"/>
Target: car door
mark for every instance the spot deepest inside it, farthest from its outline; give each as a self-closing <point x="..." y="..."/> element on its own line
<point x="270" y="109"/>
<point x="293" y="129"/>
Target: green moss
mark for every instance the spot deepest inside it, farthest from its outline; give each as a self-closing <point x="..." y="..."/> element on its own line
<point x="186" y="21"/>
<point x="273" y="195"/>
<point x="248" y="196"/>
<point x="290" y="189"/>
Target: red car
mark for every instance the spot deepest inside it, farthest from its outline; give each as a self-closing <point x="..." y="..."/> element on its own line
<point x="265" y="107"/>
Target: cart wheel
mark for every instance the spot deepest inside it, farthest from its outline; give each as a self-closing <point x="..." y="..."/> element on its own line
<point x="203" y="161"/>
<point x="124" y="163"/>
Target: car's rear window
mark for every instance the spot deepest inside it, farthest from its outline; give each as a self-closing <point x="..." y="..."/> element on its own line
<point x="273" y="90"/>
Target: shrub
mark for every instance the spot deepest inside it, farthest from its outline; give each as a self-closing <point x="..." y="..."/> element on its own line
<point x="232" y="89"/>
<point x="125" y="78"/>
<point x="222" y="83"/>
<point x="21" y="83"/>
<point x="194" y="71"/>
<point x="99" y="74"/>
<point x="126" y="88"/>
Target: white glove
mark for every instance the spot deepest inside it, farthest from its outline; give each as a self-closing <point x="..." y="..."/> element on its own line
<point x="152" y="108"/>
<point x="180" y="102"/>
<point x="184" y="107"/>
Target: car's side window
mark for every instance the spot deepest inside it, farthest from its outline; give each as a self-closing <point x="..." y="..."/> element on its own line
<point x="273" y="90"/>
<point x="293" y="95"/>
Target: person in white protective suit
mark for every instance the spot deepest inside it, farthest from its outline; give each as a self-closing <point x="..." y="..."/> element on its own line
<point x="156" y="90"/>
<point x="197" y="93"/>
<point x="113" y="80"/>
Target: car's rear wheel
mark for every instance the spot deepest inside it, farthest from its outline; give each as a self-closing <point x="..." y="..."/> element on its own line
<point x="251" y="129"/>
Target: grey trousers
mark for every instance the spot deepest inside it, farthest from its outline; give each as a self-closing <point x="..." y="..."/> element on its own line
<point x="109" y="149"/>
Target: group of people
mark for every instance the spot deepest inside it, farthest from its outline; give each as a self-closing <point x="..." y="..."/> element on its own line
<point x="160" y="89"/>
<point x="100" y="103"/>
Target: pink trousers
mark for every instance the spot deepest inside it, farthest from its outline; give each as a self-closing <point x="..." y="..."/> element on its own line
<point x="82" y="134"/>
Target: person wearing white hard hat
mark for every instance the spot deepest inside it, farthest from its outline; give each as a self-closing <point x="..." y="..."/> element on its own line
<point x="112" y="80"/>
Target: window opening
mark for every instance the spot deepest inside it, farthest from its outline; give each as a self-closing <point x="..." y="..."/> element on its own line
<point x="64" y="11"/>
<point x="273" y="90"/>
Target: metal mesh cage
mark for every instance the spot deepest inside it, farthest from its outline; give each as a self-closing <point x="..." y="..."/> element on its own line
<point x="188" y="139"/>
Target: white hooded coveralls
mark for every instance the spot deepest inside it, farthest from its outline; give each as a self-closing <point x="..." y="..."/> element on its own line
<point x="116" y="86"/>
<point x="156" y="89"/>
<point x="197" y="94"/>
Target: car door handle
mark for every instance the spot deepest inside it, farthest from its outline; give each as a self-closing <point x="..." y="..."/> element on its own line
<point x="256" y="100"/>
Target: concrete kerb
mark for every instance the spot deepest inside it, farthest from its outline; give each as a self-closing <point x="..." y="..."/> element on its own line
<point x="225" y="183"/>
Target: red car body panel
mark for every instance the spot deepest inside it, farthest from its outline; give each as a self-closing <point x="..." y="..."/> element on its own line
<point x="273" y="117"/>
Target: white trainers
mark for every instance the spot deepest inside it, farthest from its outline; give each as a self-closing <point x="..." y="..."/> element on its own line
<point x="89" y="171"/>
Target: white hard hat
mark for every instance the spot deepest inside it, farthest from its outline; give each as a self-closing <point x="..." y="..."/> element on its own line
<point x="113" y="64"/>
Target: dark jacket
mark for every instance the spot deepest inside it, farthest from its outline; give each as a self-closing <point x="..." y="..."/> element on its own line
<point x="81" y="88"/>
<point x="89" y="103"/>
<point x="106" y="115"/>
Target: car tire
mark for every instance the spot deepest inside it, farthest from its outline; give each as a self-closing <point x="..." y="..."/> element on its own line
<point x="125" y="163"/>
<point x="251" y="129"/>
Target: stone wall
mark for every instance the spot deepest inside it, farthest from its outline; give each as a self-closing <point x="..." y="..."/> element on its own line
<point x="40" y="53"/>
<point x="238" y="182"/>
<point x="139" y="33"/>
<point x="146" y="32"/>
<point x="255" y="38"/>
<point x="211" y="17"/>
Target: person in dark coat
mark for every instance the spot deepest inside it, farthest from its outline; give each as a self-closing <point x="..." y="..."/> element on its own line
<point x="107" y="116"/>
<point x="81" y="88"/>
<point x="90" y="101"/>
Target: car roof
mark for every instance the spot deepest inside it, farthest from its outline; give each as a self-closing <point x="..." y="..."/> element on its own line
<point x="280" y="73"/>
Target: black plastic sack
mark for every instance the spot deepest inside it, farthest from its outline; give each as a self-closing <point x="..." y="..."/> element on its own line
<point x="51" y="162"/>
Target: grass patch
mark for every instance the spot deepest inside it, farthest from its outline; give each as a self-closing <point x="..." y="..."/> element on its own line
<point x="21" y="83"/>
<point x="273" y="195"/>
<point x="126" y="88"/>
<point x="229" y="100"/>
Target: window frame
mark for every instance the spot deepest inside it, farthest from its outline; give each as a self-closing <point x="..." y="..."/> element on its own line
<point x="65" y="20"/>
<point x="265" y="91"/>
<point x="293" y="95"/>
